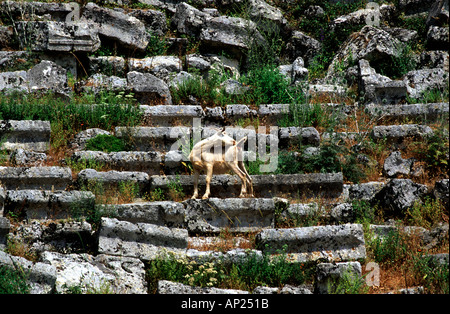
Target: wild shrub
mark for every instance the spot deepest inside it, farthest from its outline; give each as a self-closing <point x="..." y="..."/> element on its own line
<point x="428" y="213"/>
<point x="434" y="276"/>
<point x="106" y="143"/>
<point x="390" y="248"/>
<point x="13" y="281"/>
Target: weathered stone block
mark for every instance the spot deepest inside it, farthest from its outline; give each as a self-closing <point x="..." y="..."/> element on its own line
<point x="149" y="162"/>
<point x="111" y="179"/>
<point x="140" y="240"/>
<point x="40" y="276"/>
<point x="235" y="214"/>
<point x="32" y="135"/>
<point x="163" y="213"/>
<point x="42" y="178"/>
<point x="37" y="204"/>
<point x="332" y="243"/>
<point x="115" y="25"/>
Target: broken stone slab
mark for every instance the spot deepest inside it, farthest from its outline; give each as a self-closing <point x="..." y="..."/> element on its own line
<point x="115" y="25"/>
<point x="364" y="191"/>
<point x="329" y="276"/>
<point x="54" y="10"/>
<point x="371" y="43"/>
<point x="112" y="179"/>
<point x="13" y="81"/>
<point x="261" y="12"/>
<point x="166" y="115"/>
<point x="273" y="112"/>
<point x="149" y="162"/>
<point x="27" y="178"/>
<point x="97" y="274"/>
<point x="64" y="236"/>
<point x="302" y="211"/>
<point x="41" y="277"/>
<point x="30" y="135"/>
<point x="333" y="243"/>
<point x="20" y="157"/>
<point x="169" y="287"/>
<point x="154" y="138"/>
<point x="99" y="82"/>
<point x="43" y="77"/>
<point x="232" y="33"/>
<point x="154" y="20"/>
<point x="140" y="240"/>
<point x="399" y="132"/>
<point x="359" y="17"/>
<point x="307" y="136"/>
<point x="266" y="186"/>
<point x="189" y="20"/>
<point x="148" y="88"/>
<point x="424" y="111"/>
<point x="420" y="81"/>
<point x="163" y="213"/>
<point x="234" y="214"/>
<point x="400" y="194"/>
<point x="379" y="89"/>
<point x="156" y="64"/>
<point x="38" y="204"/>
<point x="48" y="76"/>
<point x="395" y="165"/>
<point x="110" y="65"/>
<point x="239" y="111"/>
<point x="46" y="36"/>
<point x="302" y="45"/>
<point x="327" y="90"/>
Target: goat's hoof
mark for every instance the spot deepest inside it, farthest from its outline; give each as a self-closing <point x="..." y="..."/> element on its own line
<point x="193" y="197"/>
<point x="205" y="197"/>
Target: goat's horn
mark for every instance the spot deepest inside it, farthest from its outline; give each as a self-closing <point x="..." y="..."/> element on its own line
<point x="242" y="140"/>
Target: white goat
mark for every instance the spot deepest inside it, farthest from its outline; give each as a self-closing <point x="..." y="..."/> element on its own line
<point x="226" y="156"/>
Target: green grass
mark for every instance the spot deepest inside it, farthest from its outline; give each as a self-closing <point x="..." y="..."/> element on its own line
<point x="103" y="110"/>
<point x="246" y="274"/>
<point x="13" y="281"/>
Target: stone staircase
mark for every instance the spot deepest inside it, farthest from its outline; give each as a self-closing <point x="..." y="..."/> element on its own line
<point x="143" y="230"/>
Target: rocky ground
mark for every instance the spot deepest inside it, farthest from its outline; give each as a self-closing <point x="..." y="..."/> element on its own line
<point x="101" y="101"/>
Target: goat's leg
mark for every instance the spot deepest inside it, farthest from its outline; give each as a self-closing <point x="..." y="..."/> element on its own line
<point x="196" y="175"/>
<point x="248" y="178"/>
<point x="241" y="176"/>
<point x="209" y="172"/>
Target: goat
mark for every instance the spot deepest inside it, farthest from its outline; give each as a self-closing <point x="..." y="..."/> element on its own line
<point x="228" y="157"/>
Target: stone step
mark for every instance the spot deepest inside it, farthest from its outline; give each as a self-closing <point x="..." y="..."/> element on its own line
<point x="171" y="138"/>
<point x="327" y="185"/>
<point x="25" y="134"/>
<point x="38" y="204"/>
<point x="89" y="178"/>
<point x="35" y="178"/>
<point x="162" y="213"/>
<point x="429" y="111"/>
<point x="399" y="132"/>
<point x="202" y="216"/>
<point x="233" y="214"/>
<point x="333" y="243"/>
<point x="149" y="162"/>
<point x="140" y="240"/>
